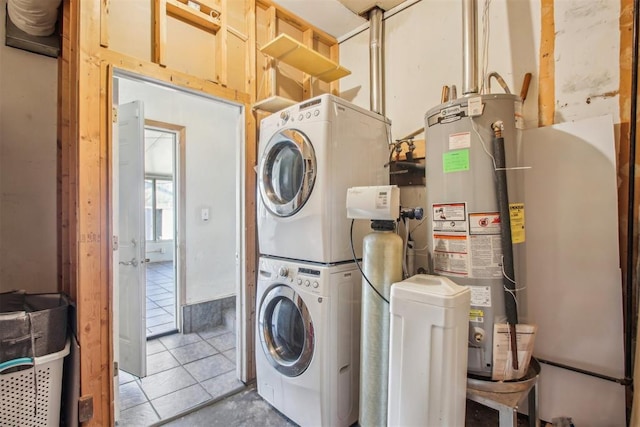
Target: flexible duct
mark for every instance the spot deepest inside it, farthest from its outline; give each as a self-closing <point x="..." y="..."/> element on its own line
<point x="375" y="60"/>
<point x="469" y="47"/>
<point x="34" y="17"/>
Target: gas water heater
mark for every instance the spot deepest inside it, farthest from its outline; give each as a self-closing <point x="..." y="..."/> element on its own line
<point x="462" y="207"/>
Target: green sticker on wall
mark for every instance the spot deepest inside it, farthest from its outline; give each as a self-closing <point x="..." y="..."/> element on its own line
<point x="455" y="161"/>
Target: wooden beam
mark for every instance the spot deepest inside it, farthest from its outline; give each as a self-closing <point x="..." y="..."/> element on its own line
<point x="221" y="48"/>
<point x="334" y="55"/>
<point x="307" y="87"/>
<point x="93" y="288"/>
<point x="624" y="161"/>
<point x="159" y="31"/>
<point x="250" y="50"/>
<point x="546" y="82"/>
<point x="104" y="23"/>
<point x="149" y="69"/>
<point x="298" y="22"/>
<point x="106" y="226"/>
<point x="251" y="245"/>
<point x="270" y="68"/>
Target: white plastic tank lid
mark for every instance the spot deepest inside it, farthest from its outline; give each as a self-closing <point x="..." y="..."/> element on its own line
<point x="428" y="289"/>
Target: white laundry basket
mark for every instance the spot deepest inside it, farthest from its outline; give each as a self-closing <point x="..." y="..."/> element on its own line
<point x="28" y="403"/>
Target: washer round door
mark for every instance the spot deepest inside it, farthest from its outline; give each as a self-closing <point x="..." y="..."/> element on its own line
<point x="287" y="172"/>
<point x="286" y="331"/>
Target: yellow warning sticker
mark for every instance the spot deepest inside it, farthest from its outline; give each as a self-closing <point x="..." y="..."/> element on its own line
<point x="476" y="315"/>
<point x="516" y="215"/>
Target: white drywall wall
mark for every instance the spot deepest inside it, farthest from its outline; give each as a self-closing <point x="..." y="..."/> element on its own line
<point x="28" y="176"/>
<point x="212" y="143"/>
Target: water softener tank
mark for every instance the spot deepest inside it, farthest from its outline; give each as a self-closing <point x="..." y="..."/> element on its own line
<point x="428" y="352"/>
<point x="382" y="265"/>
<point x="462" y="208"/>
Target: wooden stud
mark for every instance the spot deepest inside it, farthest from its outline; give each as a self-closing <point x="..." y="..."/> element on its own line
<point x="221" y="47"/>
<point x="248" y="302"/>
<point x="93" y="297"/>
<point x="62" y="153"/>
<point x="270" y="69"/>
<point x="250" y="71"/>
<point x="106" y="225"/>
<point x="104" y="23"/>
<point x="307" y="87"/>
<point x="623" y="162"/>
<point x="251" y="247"/>
<point x="298" y="22"/>
<point x="546" y="82"/>
<point x="149" y="69"/>
<point x="334" y="55"/>
<point x="159" y="31"/>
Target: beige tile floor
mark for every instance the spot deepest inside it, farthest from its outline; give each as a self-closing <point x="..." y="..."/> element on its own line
<point x="161" y="298"/>
<point x="183" y="371"/>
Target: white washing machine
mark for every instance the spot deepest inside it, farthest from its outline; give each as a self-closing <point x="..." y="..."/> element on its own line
<point x="308" y="156"/>
<point x="308" y="340"/>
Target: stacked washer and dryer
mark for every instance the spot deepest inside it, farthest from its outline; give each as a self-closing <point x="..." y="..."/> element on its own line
<point x="309" y="288"/>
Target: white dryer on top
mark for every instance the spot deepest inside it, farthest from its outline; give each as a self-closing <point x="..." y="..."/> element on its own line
<point x="308" y="156"/>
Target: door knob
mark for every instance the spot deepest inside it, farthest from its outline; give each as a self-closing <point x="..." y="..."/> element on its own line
<point x="133" y="262"/>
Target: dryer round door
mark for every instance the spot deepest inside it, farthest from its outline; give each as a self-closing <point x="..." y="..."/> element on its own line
<point x="287" y="172"/>
<point x="286" y="331"/>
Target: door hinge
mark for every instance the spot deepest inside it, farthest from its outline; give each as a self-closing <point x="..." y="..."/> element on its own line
<point x="115" y="368"/>
<point x="114" y="114"/>
<point x="115" y="243"/>
<point x="85" y="408"/>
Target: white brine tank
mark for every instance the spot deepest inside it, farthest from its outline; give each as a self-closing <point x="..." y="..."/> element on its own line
<point x="428" y="352"/>
<point x="463" y="211"/>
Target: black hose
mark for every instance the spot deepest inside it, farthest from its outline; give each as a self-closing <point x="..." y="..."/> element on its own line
<point x="629" y="315"/>
<point x="508" y="279"/>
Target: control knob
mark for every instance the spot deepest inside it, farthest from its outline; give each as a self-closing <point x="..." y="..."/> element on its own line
<point x="284" y="116"/>
<point x="283" y="272"/>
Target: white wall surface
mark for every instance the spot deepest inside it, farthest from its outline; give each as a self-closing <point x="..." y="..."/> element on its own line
<point x="28" y="129"/>
<point x="423" y="52"/>
<point x="212" y="142"/>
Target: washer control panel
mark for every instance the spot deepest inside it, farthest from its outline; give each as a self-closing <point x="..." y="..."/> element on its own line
<point x="300" y="277"/>
<point x="308" y="278"/>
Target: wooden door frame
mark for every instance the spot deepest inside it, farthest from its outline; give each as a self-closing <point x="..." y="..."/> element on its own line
<point x="84" y="150"/>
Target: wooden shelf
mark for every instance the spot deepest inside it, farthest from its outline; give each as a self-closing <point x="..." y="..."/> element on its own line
<point x="286" y="49"/>
<point x="200" y="18"/>
<point x="273" y="104"/>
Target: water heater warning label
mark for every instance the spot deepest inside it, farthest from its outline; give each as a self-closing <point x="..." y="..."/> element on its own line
<point x="485" y="246"/>
<point x="450" y="255"/>
<point x="480" y="296"/>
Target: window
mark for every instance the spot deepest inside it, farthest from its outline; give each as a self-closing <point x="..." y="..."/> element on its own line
<point x="158" y="207"/>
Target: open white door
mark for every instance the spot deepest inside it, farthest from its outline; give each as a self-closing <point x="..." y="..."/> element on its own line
<point x="131" y="241"/>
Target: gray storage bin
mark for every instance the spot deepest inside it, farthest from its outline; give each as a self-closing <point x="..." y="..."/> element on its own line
<point x="32" y="325"/>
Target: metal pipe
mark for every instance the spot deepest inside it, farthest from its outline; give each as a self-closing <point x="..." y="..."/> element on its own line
<point x="629" y="316"/>
<point x="469" y="47"/>
<point x="622" y="381"/>
<point x="375" y="60"/>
